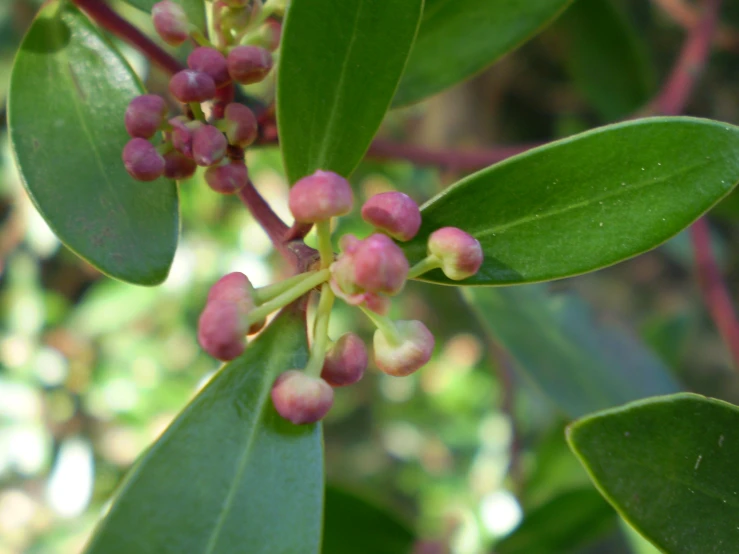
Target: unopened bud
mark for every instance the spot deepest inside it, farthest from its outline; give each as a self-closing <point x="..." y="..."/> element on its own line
<point x="178" y="166"/>
<point x="241" y="125"/>
<point x="235" y="288"/>
<point x="249" y="64"/>
<point x="394" y="213"/>
<point x="221" y="330"/>
<point x="144" y="115"/>
<point x="182" y="131"/>
<point x="142" y="160"/>
<point x="345" y="362"/>
<point x="170" y="22"/>
<point x="211" y="62"/>
<point x="301" y="398"/>
<point x="228" y="177"/>
<point x="208" y="145"/>
<point x="460" y="253"/>
<point x="380" y="265"/>
<point x="192" y="86"/>
<point x="409" y="354"/>
<point x="320" y="196"/>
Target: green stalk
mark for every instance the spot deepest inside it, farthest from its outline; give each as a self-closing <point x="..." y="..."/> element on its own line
<point x="427" y="264"/>
<point x="320" y="336"/>
<point x="325" y="249"/>
<point x="197" y="111"/>
<point x="288" y="296"/>
<point x="385" y="325"/>
<point x="264" y="294"/>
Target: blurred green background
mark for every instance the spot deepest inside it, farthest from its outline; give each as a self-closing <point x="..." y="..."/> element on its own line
<point x="92" y="370"/>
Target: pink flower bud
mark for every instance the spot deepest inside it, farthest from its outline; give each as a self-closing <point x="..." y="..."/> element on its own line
<point x="211" y="62"/>
<point x="221" y="330"/>
<point x="241" y="125"/>
<point x="170" y="22"/>
<point x="413" y="351"/>
<point x="142" y="160"/>
<point x="393" y="212"/>
<point x="345" y="362"/>
<point x="320" y="196"/>
<point x="301" y="398"/>
<point x="182" y="131"/>
<point x="249" y="64"/>
<point x="235" y="288"/>
<point x="228" y="177"/>
<point x="208" y="145"/>
<point x="460" y="253"/>
<point x="192" y="86"/>
<point x="380" y="265"/>
<point x="144" y="115"/>
<point x="178" y="166"/>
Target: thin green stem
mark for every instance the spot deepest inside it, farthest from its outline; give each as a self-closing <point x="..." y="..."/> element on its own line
<point x="197" y="111"/>
<point x="325" y="249"/>
<point x="289" y="296"/>
<point x="198" y="36"/>
<point x="427" y="264"/>
<point x="320" y="335"/>
<point x="265" y="294"/>
<point x="384" y="324"/>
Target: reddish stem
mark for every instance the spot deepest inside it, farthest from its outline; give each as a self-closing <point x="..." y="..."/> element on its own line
<point x="103" y="15"/>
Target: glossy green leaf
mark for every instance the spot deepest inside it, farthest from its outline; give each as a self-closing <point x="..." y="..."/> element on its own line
<point x="357" y="525"/>
<point x="606" y="58"/>
<point x="229" y="474"/>
<point x="579" y="363"/>
<point x="564" y="524"/>
<point x="588" y="201"/>
<point x="195" y="9"/>
<point x="459" y="38"/>
<point x="68" y="93"/>
<point x="668" y="465"/>
<point x="340" y="63"/>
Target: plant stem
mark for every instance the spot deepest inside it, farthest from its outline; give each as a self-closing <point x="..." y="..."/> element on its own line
<point x="320" y="336"/>
<point x="427" y="264"/>
<point x="325" y="249"/>
<point x="197" y="111"/>
<point x="288" y="296"/>
<point x="264" y="294"/>
<point x="265" y="216"/>
<point x="385" y="325"/>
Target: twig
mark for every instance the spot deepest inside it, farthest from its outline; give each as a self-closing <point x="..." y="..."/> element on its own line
<point x="685" y="15"/>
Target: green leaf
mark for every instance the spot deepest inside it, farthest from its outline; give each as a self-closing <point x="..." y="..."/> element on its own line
<point x="668" y="465"/>
<point x="195" y="9"/>
<point x="229" y="473"/>
<point x="69" y="91"/>
<point x="353" y="523"/>
<point x="588" y="201"/>
<point x="340" y="63"/>
<point x="459" y="38"/>
<point x="566" y="523"/>
<point x="606" y="58"/>
<point x="581" y="364"/>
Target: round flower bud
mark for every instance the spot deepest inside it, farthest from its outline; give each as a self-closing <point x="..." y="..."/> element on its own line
<point x="211" y="62"/>
<point x="394" y="213"/>
<point x="249" y="64"/>
<point x="301" y="398"/>
<point x="460" y="253"/>
<point x="208" y="145"/>
<point x="142" y="160"/>
<point x="144" y="115"/>
<point x="221" y="330"/>
<point x="178" y="166"/>
<point x="380" y="265"/>
<point x="235" y="288"/>
<point x="413" y="351"/>
<point x="241" y="125"/>
<point x="228" y="177"/>
<point x="170" y="22"/>
<point x="192" y="86"/>
<point x="182" y="130"/>
<point x="320" y="196"/>
<point x="345" y="362"/>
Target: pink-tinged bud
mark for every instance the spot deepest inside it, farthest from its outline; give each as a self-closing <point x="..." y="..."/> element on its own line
<point x="228" y="177"/>
<point x="394" y="213"/>
<point x="142" y="160"/>
<point x="221" y="330"/>
<point x="170" y="22"/>
<point x="249" y="64"/>
<point x="144" y="115"/>
<point x="178" y="166"/>
<point x="241" y="125"/>
<point x="182" y="130"/>
<point x="377" y="303"/>
<point x="208" y="145"/>
<point x="273" y="34"/>
<point x="460" y="253"/>
<point x="345" y="362"/>
<point x="235" y="288"/>
<point x="211" y="62"/>
<point x="192" y="86"/>
<point x="320" y="196"/>
<point x="413" y="351"/>
<point x="380" y="265"/>
<point x="300" y="398"/>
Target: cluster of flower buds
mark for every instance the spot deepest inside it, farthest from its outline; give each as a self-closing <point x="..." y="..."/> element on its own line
<point x="191" y="140"/>
<point x="367" y="273"/>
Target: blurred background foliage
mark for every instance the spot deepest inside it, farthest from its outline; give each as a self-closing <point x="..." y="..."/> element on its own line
<point x="469" y="452"/>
